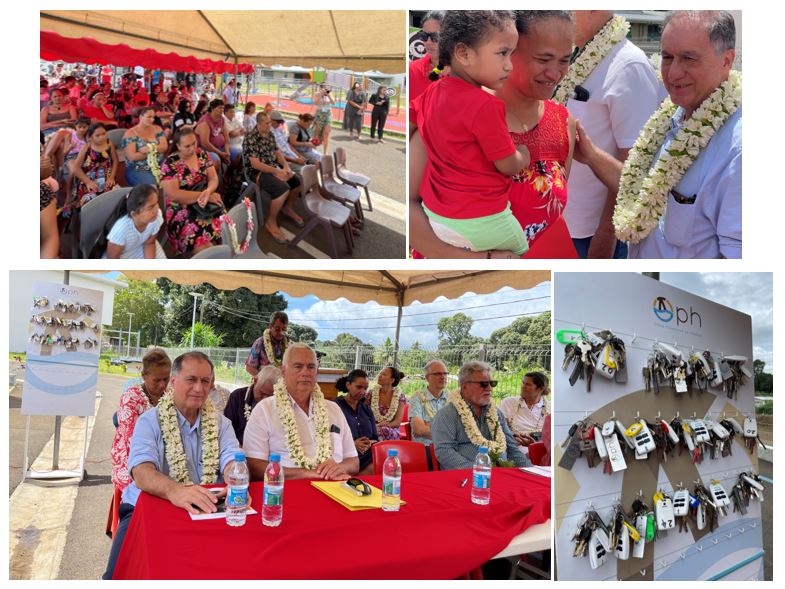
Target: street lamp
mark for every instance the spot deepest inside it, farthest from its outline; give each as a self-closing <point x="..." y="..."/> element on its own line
<point x="130" y="317"/>
<point x="195" y="295"/>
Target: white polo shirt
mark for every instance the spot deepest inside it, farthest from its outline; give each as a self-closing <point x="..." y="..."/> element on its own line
<point x="264" y="434"/>
<point x="624" y="92"/>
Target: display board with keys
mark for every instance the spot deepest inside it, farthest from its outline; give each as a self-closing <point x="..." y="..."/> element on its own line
<point x="668" y="430"/>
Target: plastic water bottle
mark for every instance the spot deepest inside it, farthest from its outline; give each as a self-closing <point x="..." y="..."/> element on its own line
<point x="237" y="496"/>
<point x="481" y="478"/>
<point x="272" y="508"/>
<point x="391" y="482"/>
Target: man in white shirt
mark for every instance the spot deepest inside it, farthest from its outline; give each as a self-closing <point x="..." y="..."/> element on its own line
<point x="230" y="93"/>
<point x="294" y="432"/>
<point x="623" y="93"/>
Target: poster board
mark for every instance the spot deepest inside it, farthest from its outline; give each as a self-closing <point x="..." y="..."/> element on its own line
<point x="641" y="310"/>
<point x="61" y="374"/>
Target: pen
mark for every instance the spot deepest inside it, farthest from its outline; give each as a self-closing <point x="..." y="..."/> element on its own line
<point x="463" y="484"/>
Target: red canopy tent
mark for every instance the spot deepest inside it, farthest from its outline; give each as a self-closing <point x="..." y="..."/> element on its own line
<point x="55" y="47"/>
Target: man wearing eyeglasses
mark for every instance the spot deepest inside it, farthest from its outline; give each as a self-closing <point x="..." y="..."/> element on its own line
<point x="471" y="420"/>
<point x="424" y="405"/>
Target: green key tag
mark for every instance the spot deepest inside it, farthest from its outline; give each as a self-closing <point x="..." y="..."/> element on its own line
<point x="650" y="527"/>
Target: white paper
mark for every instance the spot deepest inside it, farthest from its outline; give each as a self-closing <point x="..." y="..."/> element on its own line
<point x="218" y="514"/>
<point x="542" y="471"/>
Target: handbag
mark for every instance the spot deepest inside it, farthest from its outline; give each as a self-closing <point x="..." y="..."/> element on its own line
<point x="210" y="210"/>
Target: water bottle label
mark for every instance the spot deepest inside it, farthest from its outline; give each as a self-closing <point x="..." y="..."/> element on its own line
<point x="271" y="498"/>
<point x="392" y="487"/>
<point x="237" y="497"/>
<point x="482" y="480"/>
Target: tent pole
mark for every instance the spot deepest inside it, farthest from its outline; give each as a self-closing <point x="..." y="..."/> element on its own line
<point x="398" y="328"/>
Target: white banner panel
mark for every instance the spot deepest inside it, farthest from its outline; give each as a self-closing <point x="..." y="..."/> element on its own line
<point x="640" y="311"/>
<point x="62" y="351"/>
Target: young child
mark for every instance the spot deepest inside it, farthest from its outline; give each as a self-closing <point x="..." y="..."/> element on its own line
<point x="133" y="236"/>
<point x="471" y="157"/>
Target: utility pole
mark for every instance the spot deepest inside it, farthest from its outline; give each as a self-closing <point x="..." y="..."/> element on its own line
<point x="195" y="295"/>
<point x="130" y="318"/>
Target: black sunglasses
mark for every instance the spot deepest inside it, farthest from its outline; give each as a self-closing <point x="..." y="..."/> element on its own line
<point x="485" y="383"/>
<point x="359" y="487"/>
<point x="432" y="36"/>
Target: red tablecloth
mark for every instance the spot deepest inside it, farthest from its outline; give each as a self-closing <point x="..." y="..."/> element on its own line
<point x="438" y="534"/>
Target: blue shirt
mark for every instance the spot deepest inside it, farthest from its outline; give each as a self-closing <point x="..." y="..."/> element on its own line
<point x="710" y="225"/>
<point x="417" y="409"/>
<point x="453" y="448"/>
<point x="147" y="445"/>
<point x="362" y="423"/>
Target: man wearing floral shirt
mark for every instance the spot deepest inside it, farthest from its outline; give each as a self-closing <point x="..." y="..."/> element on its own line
<point x="187" y="438"/>
<point x="276" y="334"/>
<point x="471" y="420"/>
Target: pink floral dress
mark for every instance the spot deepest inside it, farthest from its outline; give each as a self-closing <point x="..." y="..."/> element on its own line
<point x="133" y="402"/>
<point x="387" y="433"/>
<point x="186" y="230"/>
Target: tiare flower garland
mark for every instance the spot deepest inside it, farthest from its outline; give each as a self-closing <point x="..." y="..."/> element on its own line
<point x="498" y="445"/>
<point x="391" y="410"/>
<point x="426" y="406"/>
<point x="612" y="33"/>
<point x="173" y="441"/>
<point x="152" y="162"/>
<point x="294" y="445"/>
<point x="643" y="189"/>
<point x="270" y="351"/>
<point x="242" y="247"/>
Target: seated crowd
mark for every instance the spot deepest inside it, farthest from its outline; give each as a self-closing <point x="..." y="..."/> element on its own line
<point x="194" y="149"/>
<point x="171" y="443"/>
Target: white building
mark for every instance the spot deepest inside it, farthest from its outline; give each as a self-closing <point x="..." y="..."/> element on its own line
<point x="21" y="296"/>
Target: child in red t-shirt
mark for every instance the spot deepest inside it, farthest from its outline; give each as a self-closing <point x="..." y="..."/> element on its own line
<point x="466" y="183"/>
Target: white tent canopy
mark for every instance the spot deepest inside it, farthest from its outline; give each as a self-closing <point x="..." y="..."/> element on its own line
<point x="357" y="39"/>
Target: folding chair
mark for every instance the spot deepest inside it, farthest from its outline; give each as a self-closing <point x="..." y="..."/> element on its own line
<point x="94" y="216"/>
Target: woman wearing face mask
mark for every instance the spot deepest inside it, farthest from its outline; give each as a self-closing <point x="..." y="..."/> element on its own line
<point x="539" y="192"/>
<point x="358" y="415"/>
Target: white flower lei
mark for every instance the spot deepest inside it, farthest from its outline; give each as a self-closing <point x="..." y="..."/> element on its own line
<point x="242" y="247"/>
<point x="173" y="442"/>
<point x="499" y="443"/>
<point x="294" y="445"/>
<point x="391" y="410"/>
<point x="612" y="33"/>
<point x="643" y="189"/>
<point x="152" y="162"/>
<point x="426" y="406"/>
<point x="270" y="351"/>
<point x="246" y="407"/>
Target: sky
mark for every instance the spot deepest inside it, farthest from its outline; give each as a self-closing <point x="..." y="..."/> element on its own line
<point x="373" y="323"/>
<point x="749" y="292"/>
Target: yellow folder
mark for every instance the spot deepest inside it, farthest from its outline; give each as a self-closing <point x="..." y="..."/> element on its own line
<point x="348" y="498"/>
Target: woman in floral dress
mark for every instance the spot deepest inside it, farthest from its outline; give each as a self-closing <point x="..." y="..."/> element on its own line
<point x="188" y="179"/>
<point x="387" y="402"/>
<point x="94" y="168"/>
<point x="135" y="400"/>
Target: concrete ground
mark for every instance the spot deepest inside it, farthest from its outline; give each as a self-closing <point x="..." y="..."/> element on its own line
<point x="57" y="531"/>
<point x="384" y="233"/>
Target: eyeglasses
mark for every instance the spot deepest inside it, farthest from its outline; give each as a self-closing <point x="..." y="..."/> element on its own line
<point x="432" y="36"/>
<point x="438" y="374"/>
<point x="485" y="383"/>
<point x="359" y="487"/>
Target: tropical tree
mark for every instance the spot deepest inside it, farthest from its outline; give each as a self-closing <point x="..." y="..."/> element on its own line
<point x="204" y="337"/>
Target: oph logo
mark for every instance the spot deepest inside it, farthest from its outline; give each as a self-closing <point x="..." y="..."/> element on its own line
<point x="665" y="312"/>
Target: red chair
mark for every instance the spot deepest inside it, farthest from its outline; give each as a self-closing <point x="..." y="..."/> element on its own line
<point x="113" y="517"/>
<point x="406" y="427"/>
<point x="432" y="454"/>
<point x="411" y="454"/>
<point x="536" y="453"/>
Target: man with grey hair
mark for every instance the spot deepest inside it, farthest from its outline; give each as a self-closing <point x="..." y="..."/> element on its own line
<point x="269" y="348"/>
<point x="663" y="210"/>
<point x="622" y="91"/>
<point x="470" y="421"/>
<point x="424" y="405"/>
<point x="184" y="424"/>
<point x="243" y="400"/>
<point x="309" y="433"/>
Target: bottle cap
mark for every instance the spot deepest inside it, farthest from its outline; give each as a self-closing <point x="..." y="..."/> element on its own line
<point x="392" y="453"/>
<point x="275" y="457"/>
<point x="239" y="456"/>
<point x="483" y="450"/>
